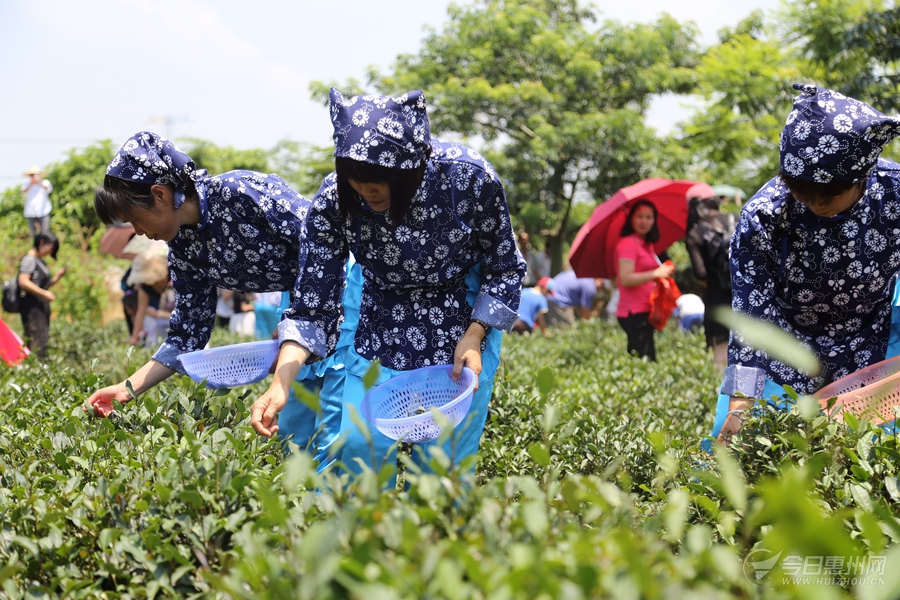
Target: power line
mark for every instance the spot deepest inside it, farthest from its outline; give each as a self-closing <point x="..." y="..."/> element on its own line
<point x="44" y="140"/>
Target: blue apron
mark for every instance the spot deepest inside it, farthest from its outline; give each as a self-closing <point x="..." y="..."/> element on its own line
<point x="343" y="446"/>
<point x="334" y="435"/>
<point x="297" y="422"/>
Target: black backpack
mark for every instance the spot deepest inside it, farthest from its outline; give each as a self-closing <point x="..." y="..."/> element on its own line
<point x="11" y="295"/>
<point x="716" y="241"/>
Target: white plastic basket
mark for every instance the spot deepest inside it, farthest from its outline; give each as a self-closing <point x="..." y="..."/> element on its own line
<point x="871" y="392"/>
<point x="232" y="365"/>
<point x="400" y="408"/>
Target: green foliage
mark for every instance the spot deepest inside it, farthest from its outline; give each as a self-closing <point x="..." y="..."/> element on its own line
<point x="747" y="82"/>
<point x="589" y="483"/>
<point x="217" y="159"/>
<point x="304" y="166"/>
<point x="74" y="182"/>
<point x="878" y="32"/>
<point x="557" y="100"/>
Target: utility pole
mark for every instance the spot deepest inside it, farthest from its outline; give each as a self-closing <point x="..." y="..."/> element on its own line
<point x="168" y="122"/>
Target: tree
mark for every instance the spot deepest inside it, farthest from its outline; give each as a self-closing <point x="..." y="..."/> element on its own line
<point x="556" y="102"/>
<point x="304" y="166"/>
<point x="745" y="82"/>
<point x="879" y="33"/>
<point x="75" y="180"/>
<point x="219" y="159"/>
<point x="852" y="45"/>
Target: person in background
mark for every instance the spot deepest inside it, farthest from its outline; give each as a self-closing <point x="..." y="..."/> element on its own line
<point x="689" y="309"/>
<point x="240" y="230"/>
<point x="540" y="263"/>
<point x="429" y="225"/>
<point x="815" y="254"/>
<point x="37" y="201"/>
<point x="638" y="267"/>
<point x="224" y="307"/>
<point x="532" y="308"/>
<point x="149" y="277"/>
<point x="571" y="298"/>
<point x="537" y="261"/>
<point x="267" y="315"/>
<point x="707" y="242"/>
<point x="35" y="281"/>
<point x="243" y="321"/>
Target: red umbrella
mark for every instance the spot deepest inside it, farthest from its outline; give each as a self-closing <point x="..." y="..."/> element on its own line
<point x="12" y="349"/>
<point x="593" y="251"/>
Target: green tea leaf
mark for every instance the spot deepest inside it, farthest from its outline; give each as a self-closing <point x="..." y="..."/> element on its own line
<point x="892" y="484"/>
<point x="733" y="484"/>
<point x="546" y="380"/>
<point x="861" y="495"/>
<point x="539" y="453"/>
<point x="371" y="375"/>
<point x="769" y="338"/>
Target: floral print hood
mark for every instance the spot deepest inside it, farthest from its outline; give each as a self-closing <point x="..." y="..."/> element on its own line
<point x="387" y="131"/>
<point x="829" y="136"/>
<point x="148" y="158"/>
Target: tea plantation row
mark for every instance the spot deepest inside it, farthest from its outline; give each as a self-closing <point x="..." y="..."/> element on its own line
<point x="590" y="484"/>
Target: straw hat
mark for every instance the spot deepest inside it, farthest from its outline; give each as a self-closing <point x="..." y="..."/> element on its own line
<point x="148" y="267"/>
<point x="33" y="170"/>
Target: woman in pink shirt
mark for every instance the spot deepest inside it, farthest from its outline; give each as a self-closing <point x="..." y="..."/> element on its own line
<point x="638" y="267"/>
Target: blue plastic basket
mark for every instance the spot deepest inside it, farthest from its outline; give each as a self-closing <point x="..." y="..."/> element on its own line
<point x="232" y="365"/>
<point x="400" y="408"/>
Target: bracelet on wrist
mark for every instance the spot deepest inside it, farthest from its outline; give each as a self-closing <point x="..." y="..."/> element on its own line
<point x="483" y="325"/>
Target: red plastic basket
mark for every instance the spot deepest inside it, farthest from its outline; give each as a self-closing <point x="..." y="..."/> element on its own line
<point x="872" y="392"/>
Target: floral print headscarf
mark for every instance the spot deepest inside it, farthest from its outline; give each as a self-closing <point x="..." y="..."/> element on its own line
<point x="148" y="158"/>
<point x="829" y="136"/>
<point x="387" y="131"/>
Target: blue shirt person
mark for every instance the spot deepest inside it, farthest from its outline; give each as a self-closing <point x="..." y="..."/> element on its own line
<point x="428" y="223"/>
<point x="532" y="308"/>
<point x="571" y="297"/>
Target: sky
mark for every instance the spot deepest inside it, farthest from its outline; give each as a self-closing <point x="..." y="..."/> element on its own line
<point x="232" y="72"/>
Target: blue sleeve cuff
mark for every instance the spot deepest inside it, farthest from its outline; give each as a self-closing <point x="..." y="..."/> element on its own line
<point x="167" y="354"/>
<point x="310" y="336"/>
<point x="494" y="313"/>
<point x="743" y="381"/>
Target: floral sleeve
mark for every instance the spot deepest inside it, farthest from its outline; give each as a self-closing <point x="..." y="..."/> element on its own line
<point x="758" y="262"/>
<point x="317" y="308"/>
<point x="504" y="266"/>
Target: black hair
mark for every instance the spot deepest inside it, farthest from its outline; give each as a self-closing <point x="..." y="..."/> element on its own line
<point x="627" y="229"/>
<point x="699" y="207"/>
<point x="118" y="198"/>
<point x="820" y="194"/>
<point x="47" y="238"/>
<point x="403" y="184"/>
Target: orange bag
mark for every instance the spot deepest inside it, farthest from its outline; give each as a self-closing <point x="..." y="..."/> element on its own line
<point x="662" y="301"/>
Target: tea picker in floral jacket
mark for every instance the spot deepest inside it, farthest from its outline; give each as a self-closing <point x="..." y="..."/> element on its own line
<point x="429" y="224"/>
<point x="240" y="230"/>
<point x="815" y="253"/>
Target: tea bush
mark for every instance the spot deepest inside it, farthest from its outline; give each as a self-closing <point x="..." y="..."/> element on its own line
<point x="590" y="483"/>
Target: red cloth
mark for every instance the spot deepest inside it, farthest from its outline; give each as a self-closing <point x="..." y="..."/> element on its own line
<point x="12" y="349"/>
<point x="663" y="300"/>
